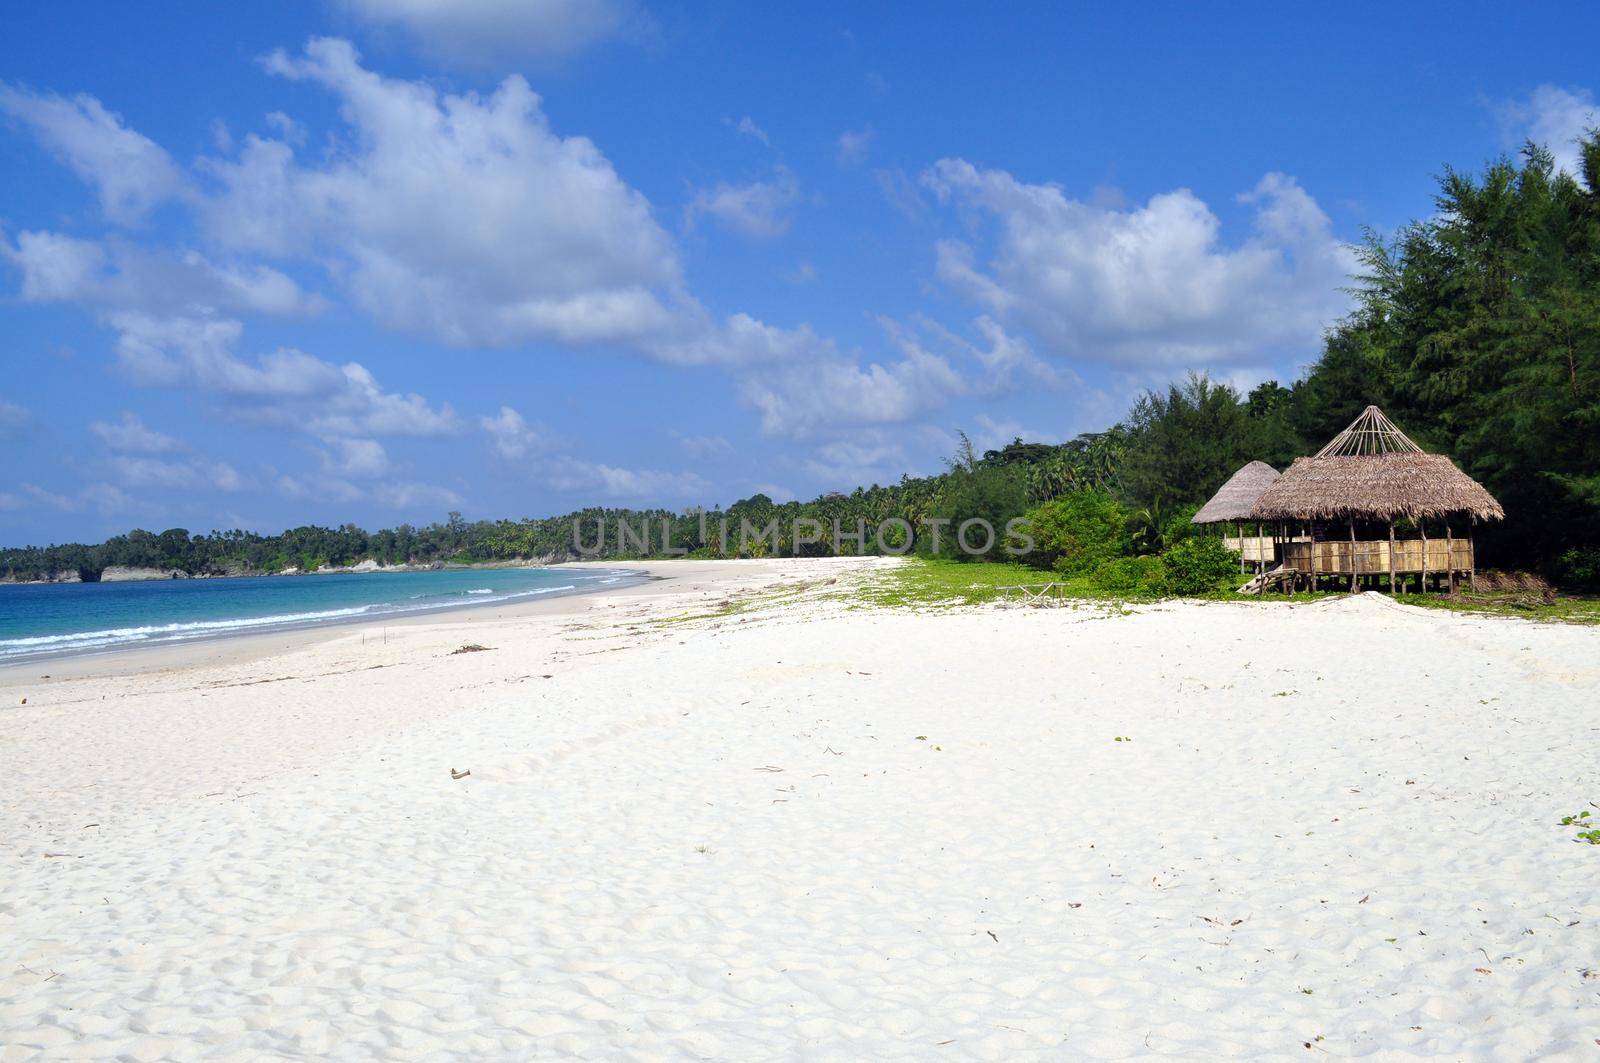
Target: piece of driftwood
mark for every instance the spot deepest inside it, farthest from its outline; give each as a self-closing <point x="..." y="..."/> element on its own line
<point x="460" y="774"/>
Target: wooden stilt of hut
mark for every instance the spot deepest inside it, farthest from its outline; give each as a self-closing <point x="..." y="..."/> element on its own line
<point x="1351" y="498"/>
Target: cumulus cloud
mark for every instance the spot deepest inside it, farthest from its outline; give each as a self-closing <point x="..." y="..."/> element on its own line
<point x="802" y="399"/>
<point x="512" y="437"/>
<point x="286" y="387"/>
<point x="756" y="208"/>
<point x="858" y="458"/>
<point x="464" y="217"/>
<point x="460" y="217"/>
<point x="135" y="471"/>
<point x="622" y="484"/>
<point x="1150" y="285"/>
<point x="130" y="435"/>
<point x="480" y="33"/>
<point x="130" y="173"/>
<point x="355" y="457"/>
<point x="115" y="275"/>
<point x="1556" y="118"/>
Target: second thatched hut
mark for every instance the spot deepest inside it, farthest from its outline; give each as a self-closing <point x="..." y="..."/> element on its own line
<point x="1349" y="499"/>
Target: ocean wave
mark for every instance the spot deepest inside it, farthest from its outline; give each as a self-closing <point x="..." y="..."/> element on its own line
<point x="35" y="643"/>
<point x="78" y="641"/>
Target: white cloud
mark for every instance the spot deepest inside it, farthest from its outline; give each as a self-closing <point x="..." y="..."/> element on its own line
<point x="483" y="32"/>
<point x="131" y="471"/>
<point x="1004" y="361"/>
<point x="461" y="217"/>
<point x="130" y="435"/>
<point x="1556" y="118"/>
<point x="757" y="208"/>
<point x="853" y="460"/>
<point x="747" y="127"/>
<point x="512" y="437"/>
<point x="355" y="457"/>
<point x="410" y="495"/>
<point x="35" y="497"/>
<point x="14" y="420"/>
<point x="464" y="217"/>
<point x="114" y="275"/>
<point x="612" y="482"/>
<point x="130" y="173"/>
<point x="1153" y="284"/>
<point x="852" y="146"/>
<point x="992" y="434"/>
<point x="803" y="398"/>
<point x="286" y="387"/>
<point x="391" y="494"/>
<point x="704" y="447"/>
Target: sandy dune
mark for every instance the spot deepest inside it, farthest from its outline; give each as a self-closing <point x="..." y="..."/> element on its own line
<point x="811" y="832"/>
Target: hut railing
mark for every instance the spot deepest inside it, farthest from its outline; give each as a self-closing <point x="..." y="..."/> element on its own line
<point x="1253" y="548"/>
<point x="1371" y="557"/>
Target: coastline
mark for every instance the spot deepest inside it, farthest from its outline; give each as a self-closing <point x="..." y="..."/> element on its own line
<point x="238" y="647"/>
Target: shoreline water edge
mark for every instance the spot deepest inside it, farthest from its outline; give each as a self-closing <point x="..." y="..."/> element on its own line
<point x="36" y="625"/>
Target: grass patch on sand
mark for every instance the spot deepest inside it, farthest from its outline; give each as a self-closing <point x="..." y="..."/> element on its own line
<point x="1554" y="609"/>
<point x="938" y="582"/>
<point x="733" y="606"/>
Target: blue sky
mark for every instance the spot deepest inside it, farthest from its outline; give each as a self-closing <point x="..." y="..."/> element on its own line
<point x="373" y="260"/>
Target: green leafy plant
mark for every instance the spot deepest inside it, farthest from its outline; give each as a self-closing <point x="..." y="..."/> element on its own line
<point x="1200" y="566"/>
<point x="1076" y="533"/>
<point x="1582" y="819"/>
<point x="1131" y="577"/>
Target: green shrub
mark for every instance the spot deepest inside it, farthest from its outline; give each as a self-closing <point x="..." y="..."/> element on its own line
<point x="1579" y="567"/>
<point x="1076" y="533"/>
<point x="1200" y="566"/>
<point x="1180" y="526"/>
<point x="1131" y="577"/>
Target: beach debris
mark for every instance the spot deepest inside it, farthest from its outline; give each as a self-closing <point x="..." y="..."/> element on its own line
<point x="768" y="767"/>
<point x="24" y="701"/>
<point x="460" y="774"/>
<point x="991" y="933"/>
<point x="471" y="647"/>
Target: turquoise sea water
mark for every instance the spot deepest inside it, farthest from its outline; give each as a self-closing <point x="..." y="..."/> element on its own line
<point x="43" y="620"/>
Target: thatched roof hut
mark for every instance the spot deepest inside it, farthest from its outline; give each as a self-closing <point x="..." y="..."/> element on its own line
<point x="1372" y="471"/>
<point x="1236" y="499"/>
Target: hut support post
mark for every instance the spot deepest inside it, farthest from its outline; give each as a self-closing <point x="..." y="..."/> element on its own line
<point x="1422" y="580"/>
<point x="1392" y="588"/>
<point x="1239" y="530"/>
<point x="1450" y="554"/>
<point x="1472" y="548"/>
<point x="1312" y="527"/>
<point x="1352" y="555"/>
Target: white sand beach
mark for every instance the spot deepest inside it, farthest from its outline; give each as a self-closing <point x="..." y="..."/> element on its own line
<point x="806" y="831"/>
